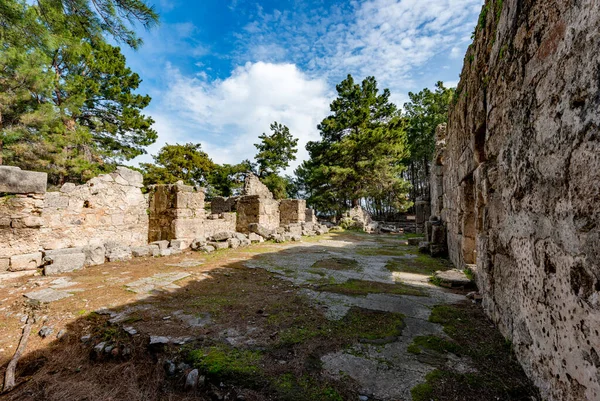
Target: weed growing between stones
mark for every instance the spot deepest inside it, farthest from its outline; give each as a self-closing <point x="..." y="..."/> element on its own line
<point x="498" y="375"/>
<point x="361" y="287"/>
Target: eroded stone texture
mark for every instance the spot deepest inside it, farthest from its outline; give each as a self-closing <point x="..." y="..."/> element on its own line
<point x="13" y="180"/>
<point x="259" y="210"/>
<point x="110" y="207"/>
<point x="292" y="211"/>
<point x="521" y="174"/>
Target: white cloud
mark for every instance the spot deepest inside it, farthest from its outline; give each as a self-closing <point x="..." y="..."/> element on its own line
<point x="227" y="116"/>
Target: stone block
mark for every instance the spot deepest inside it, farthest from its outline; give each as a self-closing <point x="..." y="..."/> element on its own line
<point x="13" y="180"/>
<point x="222" y="236"/>
<point x="255" y="238"/>
<point x="206" y="248"/>
<point x="95" y="253"/>
<point x="140" y="251"/>
<point x="62" y="263"/>
<point x="179" y="244"/>
<point x="154" y="250"/>
<point x="233" y="243"/>
<point x="197" y="243"/>
<point x="166" y="252"/>
<point x="161" y="244"/>
<point x="219" y="245"/>
<point x="245" y="242"/>
<point x="260" y="230"/>
<point x="29" y="261"/>
<point x="4" y="264"/>
<point x="116" y="252"/>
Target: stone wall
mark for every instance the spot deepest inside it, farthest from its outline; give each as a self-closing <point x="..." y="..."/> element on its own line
<point x="110" y="207"/>
<point x="521" y="185"/>
<point x="256" y="209"/>
<point x="292" y="211"/>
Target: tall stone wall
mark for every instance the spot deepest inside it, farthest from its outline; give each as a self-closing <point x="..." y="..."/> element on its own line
<point x="521" y="185"/>
<point x="256" y="209"/>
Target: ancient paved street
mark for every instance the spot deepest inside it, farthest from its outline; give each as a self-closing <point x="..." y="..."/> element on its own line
<point x="333" y="317"/>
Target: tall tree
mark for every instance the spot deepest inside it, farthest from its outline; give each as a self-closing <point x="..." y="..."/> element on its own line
<point x="275" y="151"/>
<point x="173" y="163"/>
<point x="362" y="143"/>
<point x="425" y="111"/>
<point x="67" y="101"/>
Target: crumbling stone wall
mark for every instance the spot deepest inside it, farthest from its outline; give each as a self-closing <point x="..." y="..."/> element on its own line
<point x="177" y="212"/>
<point x="109" y="207"/>
<point x="521" y="185"/>
<point x="292" y="211"/>
<point x="256" y="209"/>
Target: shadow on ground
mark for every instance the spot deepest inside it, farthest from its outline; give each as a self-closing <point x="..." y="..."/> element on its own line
<point x="342" y="317"/>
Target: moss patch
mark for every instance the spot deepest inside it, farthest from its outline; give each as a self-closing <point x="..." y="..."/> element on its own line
<point x="499" y="376"/>
<point x="227" y="363"/>
<point x="337" y="264"/>
<point x="421" y="264"/>
<point x="362" y="287"/>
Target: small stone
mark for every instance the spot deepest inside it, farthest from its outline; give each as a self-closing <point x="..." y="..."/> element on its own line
<point x="169" y="368"/>
<point x="130" y="330"/>
<point x="45" y="331"/>
<point x="99" y="347"/>
<point x="191" y="380"/>
<point x="86" y="338"/>
<point x="61" y="334"/>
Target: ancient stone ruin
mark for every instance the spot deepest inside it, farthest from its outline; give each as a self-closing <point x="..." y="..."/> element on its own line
<point x="516" y="184"/>
<point x="110" y="219"/>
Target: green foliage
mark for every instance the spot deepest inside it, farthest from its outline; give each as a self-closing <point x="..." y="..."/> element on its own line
<point x="67" y="99"/>
<point x="173" y="163"/>
<point x="483" y="17"/>
<point x="499" y="6"/>
<point x="425" y="111"/>
<point x="227" y="179"/>
<point x="276" y="150"/>
<point x="274" y="154"/>
<point x="358" y="156"/>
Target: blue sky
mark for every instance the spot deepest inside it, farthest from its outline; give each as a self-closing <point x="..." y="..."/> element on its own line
<point x="220" y="71"/>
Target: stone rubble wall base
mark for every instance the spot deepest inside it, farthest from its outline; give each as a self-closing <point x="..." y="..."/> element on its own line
<point x="516" y="183"/>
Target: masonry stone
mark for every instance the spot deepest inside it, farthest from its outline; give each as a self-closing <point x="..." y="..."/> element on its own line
<point x="518" y="177"/>
<point x="30" y="261"/>
<point x="62" y="263"/>
<point x="13" y="180"/>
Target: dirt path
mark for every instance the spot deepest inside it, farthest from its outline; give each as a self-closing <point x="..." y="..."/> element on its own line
<point x="343" y="316"/>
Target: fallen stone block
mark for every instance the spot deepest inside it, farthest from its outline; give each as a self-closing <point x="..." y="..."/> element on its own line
<point x="64" y="251"/>
<point x="63" y="263"/>
<point x="234" y="243"/>
<point x="166" y="252"/>
<point x="240" y="236"/>
<point x="296" y="238"/>
<point x="47" y="295"/>
<point x="140" y="251"/>
<point x="255" y="238"/>
<point x="12" y="275"/>
<point x="424" y="246"/>
<point x="222" y="236"/>
<point x="219" y="245"/>
<point x="115" y="252"/>
<point x="95" y="253"/>
<point x="197" y="243"/>
<point x="161" y="244"/>
<point x="260" y="230"/>
<point x="206" y="248"/>
<point x="453" y="278"/>
<point x="154" y="250"/>
<point x="245" y="242"/>
<point x="29" y="261"/>
<point x="13" y="180"/>
<point x="277" y="238"/>
<point x="179" y="244"/>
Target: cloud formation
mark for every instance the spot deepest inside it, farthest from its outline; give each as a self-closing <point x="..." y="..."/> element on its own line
<point x="227" y="116"/>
